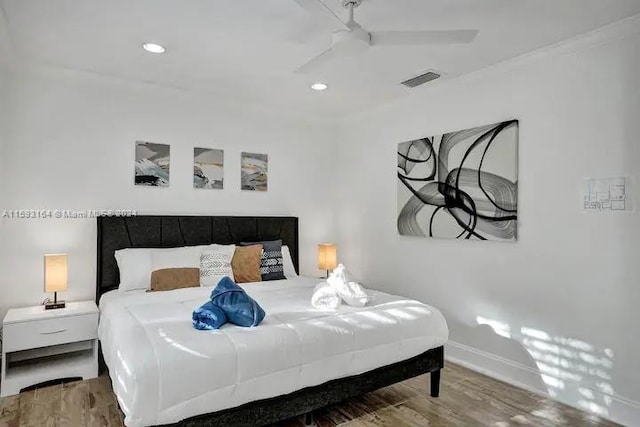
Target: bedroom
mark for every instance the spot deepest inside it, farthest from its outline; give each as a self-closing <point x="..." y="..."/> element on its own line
<point x="541" y="329"/>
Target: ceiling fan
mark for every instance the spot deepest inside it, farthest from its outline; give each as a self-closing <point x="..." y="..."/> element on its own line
<point x="352" y="39"/>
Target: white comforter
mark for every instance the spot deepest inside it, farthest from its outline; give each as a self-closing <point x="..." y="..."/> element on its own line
<point x="163" y="370"/>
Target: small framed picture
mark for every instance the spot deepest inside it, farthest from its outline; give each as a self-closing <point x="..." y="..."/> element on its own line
<point x="254" y="171"/>
<point x="208" y="168"/>
<point x="152" y="164"/>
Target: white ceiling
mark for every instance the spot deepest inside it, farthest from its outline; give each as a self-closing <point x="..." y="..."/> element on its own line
<point x="247" y="49"/>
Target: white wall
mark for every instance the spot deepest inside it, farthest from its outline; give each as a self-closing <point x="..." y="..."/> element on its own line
<point x="563" y="298"/>
<point x="70" y="145"/>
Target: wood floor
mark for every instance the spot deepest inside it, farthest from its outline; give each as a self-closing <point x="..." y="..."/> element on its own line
<point x="466" y="399"/>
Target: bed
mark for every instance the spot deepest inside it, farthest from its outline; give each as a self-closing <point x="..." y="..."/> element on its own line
<point x="299" y="359"/>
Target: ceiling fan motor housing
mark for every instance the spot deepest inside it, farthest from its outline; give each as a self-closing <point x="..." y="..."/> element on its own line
<point x="351" y="41"/>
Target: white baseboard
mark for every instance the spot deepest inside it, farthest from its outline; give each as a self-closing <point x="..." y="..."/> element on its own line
<point x="621" y="410"/>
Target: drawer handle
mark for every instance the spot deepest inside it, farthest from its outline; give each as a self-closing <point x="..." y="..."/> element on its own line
<point x="53" y="332"/>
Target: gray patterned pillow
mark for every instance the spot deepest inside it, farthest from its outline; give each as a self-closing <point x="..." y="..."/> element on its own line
<point x="271" y="263"/>
<point x="216" y="264"/>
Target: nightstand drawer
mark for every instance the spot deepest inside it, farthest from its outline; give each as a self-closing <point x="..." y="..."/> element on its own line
<point x="46" y="332"/>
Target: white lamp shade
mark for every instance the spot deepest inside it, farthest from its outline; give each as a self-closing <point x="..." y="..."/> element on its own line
<point x="55" y="273"/>
<point x="327" y="256"/>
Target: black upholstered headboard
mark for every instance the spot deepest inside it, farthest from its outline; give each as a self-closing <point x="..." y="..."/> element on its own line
<point x="173" y="231"/>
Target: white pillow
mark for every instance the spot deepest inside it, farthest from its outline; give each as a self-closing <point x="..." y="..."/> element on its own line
<point x="184" y="257"/>
<point x="137" y="264"/>
<point x="215" y="263"/>
<point x="289" y="269"/>
<point x="135" y="268"/>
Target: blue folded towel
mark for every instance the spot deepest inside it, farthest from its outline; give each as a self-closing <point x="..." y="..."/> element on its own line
<point x="208" y="316"/>
<point x="239" y="307"/>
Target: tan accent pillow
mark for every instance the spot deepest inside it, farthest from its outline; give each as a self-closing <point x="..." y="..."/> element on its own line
<point x="246" y="263"/>
<point x="168" y="279"/>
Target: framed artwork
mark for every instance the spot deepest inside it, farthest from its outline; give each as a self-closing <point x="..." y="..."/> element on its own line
<point x="460" y="185"/>
<point x="208" y="168"/>
<point x="254" y="170"/>
<point x="152" y="164"/>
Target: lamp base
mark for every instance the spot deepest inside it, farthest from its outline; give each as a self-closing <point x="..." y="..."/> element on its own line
<point x="54" y="305"/>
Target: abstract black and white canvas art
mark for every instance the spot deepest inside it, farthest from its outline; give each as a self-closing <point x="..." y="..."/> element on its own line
<point x="460" y="185"/>
<point x="152" y="164"/>
<point x="254" y="171"/>
<point x="208" y="168"/>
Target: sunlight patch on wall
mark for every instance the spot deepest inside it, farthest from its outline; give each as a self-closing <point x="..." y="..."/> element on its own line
<point x="578" y="365"/>
<point x="499" y="328"/>
<point x="573" y="371"/>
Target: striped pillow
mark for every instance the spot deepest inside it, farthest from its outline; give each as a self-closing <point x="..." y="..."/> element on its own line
<point x="271" y="263"/>
<point x="216" y="264"/>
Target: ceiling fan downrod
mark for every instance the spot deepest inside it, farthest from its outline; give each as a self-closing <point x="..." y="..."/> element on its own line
<point x="351" y="5"/>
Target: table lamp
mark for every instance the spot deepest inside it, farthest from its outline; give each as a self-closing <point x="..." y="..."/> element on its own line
<point x="327" y="257"/>
<point x="55" y="278"/>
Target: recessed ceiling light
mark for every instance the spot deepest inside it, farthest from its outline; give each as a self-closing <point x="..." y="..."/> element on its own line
<point x="153" y="48"/>
<point x="319" y="86"/>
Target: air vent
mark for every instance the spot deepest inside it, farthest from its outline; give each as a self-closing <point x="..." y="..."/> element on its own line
<point x="421" y="79"/>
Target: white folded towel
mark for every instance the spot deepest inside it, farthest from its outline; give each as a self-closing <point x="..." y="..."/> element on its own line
<point x="325" y="297"/>
<point x="351" y="292"/>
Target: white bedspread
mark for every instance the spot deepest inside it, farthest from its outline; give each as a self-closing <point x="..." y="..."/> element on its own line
<point x="163" y="370"/>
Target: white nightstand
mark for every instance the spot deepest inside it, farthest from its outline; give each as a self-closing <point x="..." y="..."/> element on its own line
<point x="41" y="345"/>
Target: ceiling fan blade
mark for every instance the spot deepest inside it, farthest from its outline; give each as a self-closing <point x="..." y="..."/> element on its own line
<point x="407" y="38"/>
<point x="317" y="62"/>
<point x="319" y="8"/>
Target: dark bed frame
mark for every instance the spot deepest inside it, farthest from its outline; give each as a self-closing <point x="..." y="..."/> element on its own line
<point x="173" y="231"/>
